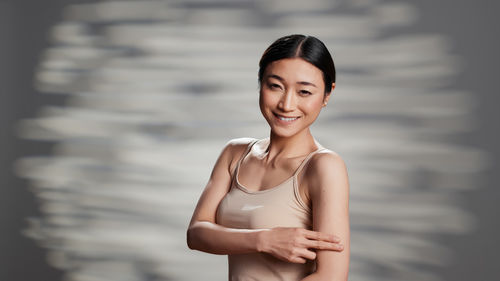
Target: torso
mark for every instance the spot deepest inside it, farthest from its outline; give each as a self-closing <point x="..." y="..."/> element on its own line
<point x="260" y="198"/>
<point x="255" y="177"/>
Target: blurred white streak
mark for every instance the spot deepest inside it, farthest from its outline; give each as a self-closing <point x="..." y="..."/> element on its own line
<point x="302" y="7"/>
<point x="143" y="10"/>
<point x="394" y="14"/>
<point x="156" y="88"/>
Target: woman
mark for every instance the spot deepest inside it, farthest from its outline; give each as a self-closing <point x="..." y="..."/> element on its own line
<point x="274" y="226"/>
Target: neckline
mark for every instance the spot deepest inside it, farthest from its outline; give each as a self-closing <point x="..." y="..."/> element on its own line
<point x="242" y="187"/>
<point x="294" y="175"/>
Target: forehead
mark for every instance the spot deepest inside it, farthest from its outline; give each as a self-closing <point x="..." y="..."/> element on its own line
<point x="294" y="69"/>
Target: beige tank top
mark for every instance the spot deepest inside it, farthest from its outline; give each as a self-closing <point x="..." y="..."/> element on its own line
<point x="279" y="206"/>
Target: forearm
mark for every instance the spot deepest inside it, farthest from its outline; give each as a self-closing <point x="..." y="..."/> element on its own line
<point x="215" y="239"/>
<point x="311" y="277"/>
<point x="318" y="277"/>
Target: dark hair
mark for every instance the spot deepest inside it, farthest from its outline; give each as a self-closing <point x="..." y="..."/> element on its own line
<point x="309" y="48"/>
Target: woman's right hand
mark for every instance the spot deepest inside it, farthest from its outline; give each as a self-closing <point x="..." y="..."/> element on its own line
<point x="294" y="244"/>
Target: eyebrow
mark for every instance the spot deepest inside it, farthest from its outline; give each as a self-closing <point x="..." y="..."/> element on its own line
<point x="282" y="80"/>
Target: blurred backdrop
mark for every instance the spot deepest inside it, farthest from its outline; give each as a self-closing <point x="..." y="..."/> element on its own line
<point x="114" y="112"/>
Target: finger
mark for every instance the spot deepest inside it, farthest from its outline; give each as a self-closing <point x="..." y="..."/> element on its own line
<point x="308" y="254"/>
<point x="323" y="245"/>
<point x="316" y="235"/>
<point x="298" y="260"/>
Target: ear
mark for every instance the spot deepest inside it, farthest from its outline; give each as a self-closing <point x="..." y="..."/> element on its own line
<point x="327" y="95"/>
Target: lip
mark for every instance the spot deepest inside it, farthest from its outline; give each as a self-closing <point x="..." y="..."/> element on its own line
<point x="283" y="121"/>
<point x="284" y="115"/>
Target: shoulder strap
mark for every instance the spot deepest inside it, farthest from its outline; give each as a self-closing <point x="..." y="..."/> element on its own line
<point x="243" y="155"/>
<point x="304" y="162"/>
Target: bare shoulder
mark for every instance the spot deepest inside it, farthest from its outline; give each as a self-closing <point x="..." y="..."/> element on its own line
<point x="326" y="161"/>
<point x="326" y="167"/>
<point x="240" y="142"/>
<point x="235" y="148"/>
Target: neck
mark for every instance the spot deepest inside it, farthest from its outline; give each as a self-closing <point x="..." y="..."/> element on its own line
<point x="297" y="145"/>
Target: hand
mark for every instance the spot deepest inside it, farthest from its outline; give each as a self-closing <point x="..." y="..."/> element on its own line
<point x="293" y="244"/>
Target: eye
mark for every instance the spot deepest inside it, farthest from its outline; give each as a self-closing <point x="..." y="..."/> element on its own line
<point x="305" y="93"/>
<point x="274" y="86"/>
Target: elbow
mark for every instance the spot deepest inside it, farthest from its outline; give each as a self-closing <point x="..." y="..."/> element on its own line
<point x="190" y="238"/>
<point x="196" y="236"/>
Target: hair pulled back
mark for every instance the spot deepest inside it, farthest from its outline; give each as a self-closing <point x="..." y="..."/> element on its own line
<point x="309" y="48"/>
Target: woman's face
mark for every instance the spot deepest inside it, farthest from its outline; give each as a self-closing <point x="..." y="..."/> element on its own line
<point x="292" y="94"/>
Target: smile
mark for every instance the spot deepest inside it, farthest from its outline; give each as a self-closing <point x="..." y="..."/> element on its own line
<point x="285" y="119"/>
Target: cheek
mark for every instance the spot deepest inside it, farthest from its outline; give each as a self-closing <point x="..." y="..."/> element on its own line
<point x="313" y="105"/>
<point x="263" y="102"/>
<point x="261" y="99"/>
<point x="267" y="99"/>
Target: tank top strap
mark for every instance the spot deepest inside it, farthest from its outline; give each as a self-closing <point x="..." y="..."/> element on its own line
<point x="243" y="156"/>
<point x="304" y="162"/>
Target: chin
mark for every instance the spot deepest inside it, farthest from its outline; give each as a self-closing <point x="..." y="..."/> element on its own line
<point x="284" y="132"/>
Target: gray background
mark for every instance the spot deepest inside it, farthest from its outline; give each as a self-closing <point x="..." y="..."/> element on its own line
<point x="469" y="24"/>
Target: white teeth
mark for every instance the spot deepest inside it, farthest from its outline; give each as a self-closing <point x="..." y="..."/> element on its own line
<point x="287" y="119"/>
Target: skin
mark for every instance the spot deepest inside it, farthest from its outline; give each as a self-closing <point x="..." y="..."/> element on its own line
<point x="292" y="88"/>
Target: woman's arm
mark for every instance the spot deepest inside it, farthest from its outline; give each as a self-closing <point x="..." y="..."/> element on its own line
<point x="329" y="194"/>
<point x="204" y="234"/>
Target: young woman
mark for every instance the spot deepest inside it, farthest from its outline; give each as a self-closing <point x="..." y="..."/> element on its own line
<point x="279" y="206"/>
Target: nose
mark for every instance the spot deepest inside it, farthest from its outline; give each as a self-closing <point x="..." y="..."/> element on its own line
<point x="287" y="101"/>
